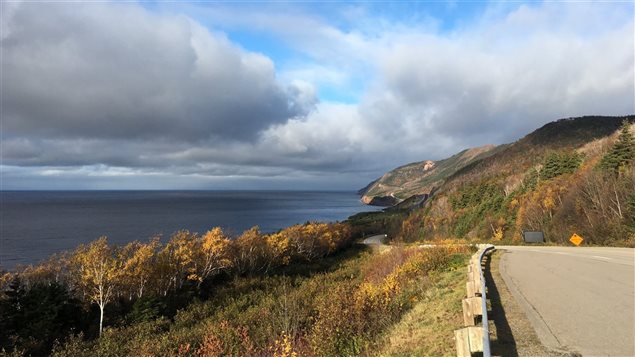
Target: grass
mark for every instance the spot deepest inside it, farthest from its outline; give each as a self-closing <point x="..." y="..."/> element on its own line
<point x="427" y="329"/>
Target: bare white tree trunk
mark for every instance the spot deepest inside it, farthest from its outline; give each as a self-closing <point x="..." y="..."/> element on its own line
<point x="101" y="318"/>
<point x="617" y="202"/>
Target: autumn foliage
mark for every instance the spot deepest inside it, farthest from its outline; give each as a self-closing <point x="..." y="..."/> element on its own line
<point x="560" y="187"/>
<point x="147" y="276"/>
<point x="338" y="306"/>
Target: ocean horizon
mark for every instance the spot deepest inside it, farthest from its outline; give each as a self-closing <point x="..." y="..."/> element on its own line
<point x="38" y="223"/>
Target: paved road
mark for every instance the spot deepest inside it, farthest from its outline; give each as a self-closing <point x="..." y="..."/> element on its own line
<point x="375" y="240"/>
<point x="578" y="299"/>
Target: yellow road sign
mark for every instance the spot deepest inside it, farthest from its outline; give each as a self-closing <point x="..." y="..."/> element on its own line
<point x="576" y="239"/>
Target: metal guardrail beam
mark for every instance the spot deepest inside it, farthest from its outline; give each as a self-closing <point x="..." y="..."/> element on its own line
<point x="486" y="346"/>
<point x="473" y="339"/>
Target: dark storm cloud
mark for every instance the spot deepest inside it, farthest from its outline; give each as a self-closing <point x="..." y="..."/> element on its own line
<point x="122" y="72"/>
<point x="115" y="95"/>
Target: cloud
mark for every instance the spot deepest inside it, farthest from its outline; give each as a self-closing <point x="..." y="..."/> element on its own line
<point x="115" y="90"/>
<point x="480" y="84"/>
<point x="492" y="82"/>
<point x="123" y="72"/>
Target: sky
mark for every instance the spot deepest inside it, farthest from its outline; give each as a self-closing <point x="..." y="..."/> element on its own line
<point x="291" y="95"/>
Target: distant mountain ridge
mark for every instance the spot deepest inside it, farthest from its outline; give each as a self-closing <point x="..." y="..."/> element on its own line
<point x="420" y="178"/>
<point x="412" y="181"/>
<point x="552" y="180"/>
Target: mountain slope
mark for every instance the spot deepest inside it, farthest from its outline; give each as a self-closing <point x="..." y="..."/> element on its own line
<point x="420" y="178"/>
<point x="550" y="180"/>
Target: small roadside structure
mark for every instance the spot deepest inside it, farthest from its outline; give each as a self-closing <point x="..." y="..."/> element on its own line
<point x="533" y="237"/>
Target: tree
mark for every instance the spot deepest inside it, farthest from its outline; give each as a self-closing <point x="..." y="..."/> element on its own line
<point x="177" y="261"/>
<point x="215" y="252"/>
<point x="11" y="312"/>
<point x="138" y="266"/>
<point x="278" y="248"/>
<point x="98" y="272"/>
<point x="559" y="163"/>
<point x="622" y="153"/>
<point x="33" y="319"/>
<point x="250" y="250"/>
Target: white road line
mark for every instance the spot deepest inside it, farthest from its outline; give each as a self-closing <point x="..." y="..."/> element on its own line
<point x="599" y="257"/>
<point x="573" y="255"/>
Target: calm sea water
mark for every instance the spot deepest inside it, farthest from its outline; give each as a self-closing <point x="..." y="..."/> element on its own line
<point x="36" y="224"/>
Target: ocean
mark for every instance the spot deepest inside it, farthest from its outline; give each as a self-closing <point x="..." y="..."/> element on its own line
<point x="36" y="224"/>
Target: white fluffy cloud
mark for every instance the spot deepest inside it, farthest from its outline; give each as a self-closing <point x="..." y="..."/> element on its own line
<point x="436" y="94"/>
<point x="118" y="90"/>
<point x="119" y="71"/>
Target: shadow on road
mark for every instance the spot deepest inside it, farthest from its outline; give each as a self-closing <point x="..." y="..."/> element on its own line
<point x="504" y="343"/>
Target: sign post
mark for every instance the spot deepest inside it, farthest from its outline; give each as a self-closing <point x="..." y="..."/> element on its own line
<point x="576" y="239"/>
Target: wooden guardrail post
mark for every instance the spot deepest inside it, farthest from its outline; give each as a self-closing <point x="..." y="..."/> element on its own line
<point x="471" y="308"/>
<point x="471" y="338"/>
<point x="471" y="289"/>
<point x="468" y="341"/>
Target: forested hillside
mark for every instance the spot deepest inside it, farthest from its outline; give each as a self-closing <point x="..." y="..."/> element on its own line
<point x="572" y="175"/>
<point x="419" y="178"/>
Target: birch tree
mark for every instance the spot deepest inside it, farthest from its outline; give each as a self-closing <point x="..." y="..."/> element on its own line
<point x="138" y="266"/>
<point x="98" y="272"/>
<point x="215" y="251"/>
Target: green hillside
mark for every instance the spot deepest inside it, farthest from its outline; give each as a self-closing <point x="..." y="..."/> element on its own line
<point x="551" y="180"/>
<point x="420" y="177"/>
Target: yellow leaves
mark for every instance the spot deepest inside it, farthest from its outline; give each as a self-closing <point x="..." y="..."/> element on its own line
<point x="194" y="277"/>
<point x="390" y="287"/>
<point x="309" y="241"/>
<point x="101" y="271"/>
<point x="548" y="203"/>
<point x="139" y="263"/>
<point x="137" y="257"/>
<point x="279" y="246"/>
<point x="180" y="255"/>
<point x="513" y="203"/>
<point x="214" y="241"/>
<point x="5" y="280"/>
<point x="215" y="247"/>
<point x="98" y="271"/>
<point x="498" y="234"/>
<point x="283" y="347"/>
<point x="98" y="265"/>
<point x="183" y="247"/>
<point x="250" y="237"/>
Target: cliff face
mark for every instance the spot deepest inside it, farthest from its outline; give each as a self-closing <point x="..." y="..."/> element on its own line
<point x="419" y="178"/>
<point x="382" y="201"/>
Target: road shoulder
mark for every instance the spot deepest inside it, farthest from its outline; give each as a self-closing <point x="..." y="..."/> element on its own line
<point x="512" y="331"/>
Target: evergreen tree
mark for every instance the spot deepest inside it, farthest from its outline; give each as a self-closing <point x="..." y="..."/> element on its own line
<point x="559" y="163"/>
<point x="622" y="153"/>
<point x="31" y="320"/>
<point x="11" y="314"/>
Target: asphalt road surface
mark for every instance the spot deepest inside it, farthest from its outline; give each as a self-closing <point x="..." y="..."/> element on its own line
<point x="375" y="240"/>
<point x="577" y="299"/>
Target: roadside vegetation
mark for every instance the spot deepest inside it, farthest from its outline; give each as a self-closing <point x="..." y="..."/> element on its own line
<point x="428" y="328"/>
<point x="100" y="284"/>
<point x="208" y="295"/>
<point x="562" y="179"/>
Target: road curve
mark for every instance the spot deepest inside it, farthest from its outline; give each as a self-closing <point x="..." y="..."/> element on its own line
<point x="578" y="299"/>
<point x="378" y="239"/>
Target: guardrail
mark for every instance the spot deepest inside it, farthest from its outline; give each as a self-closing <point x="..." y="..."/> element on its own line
<point x="472" y="338"/>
